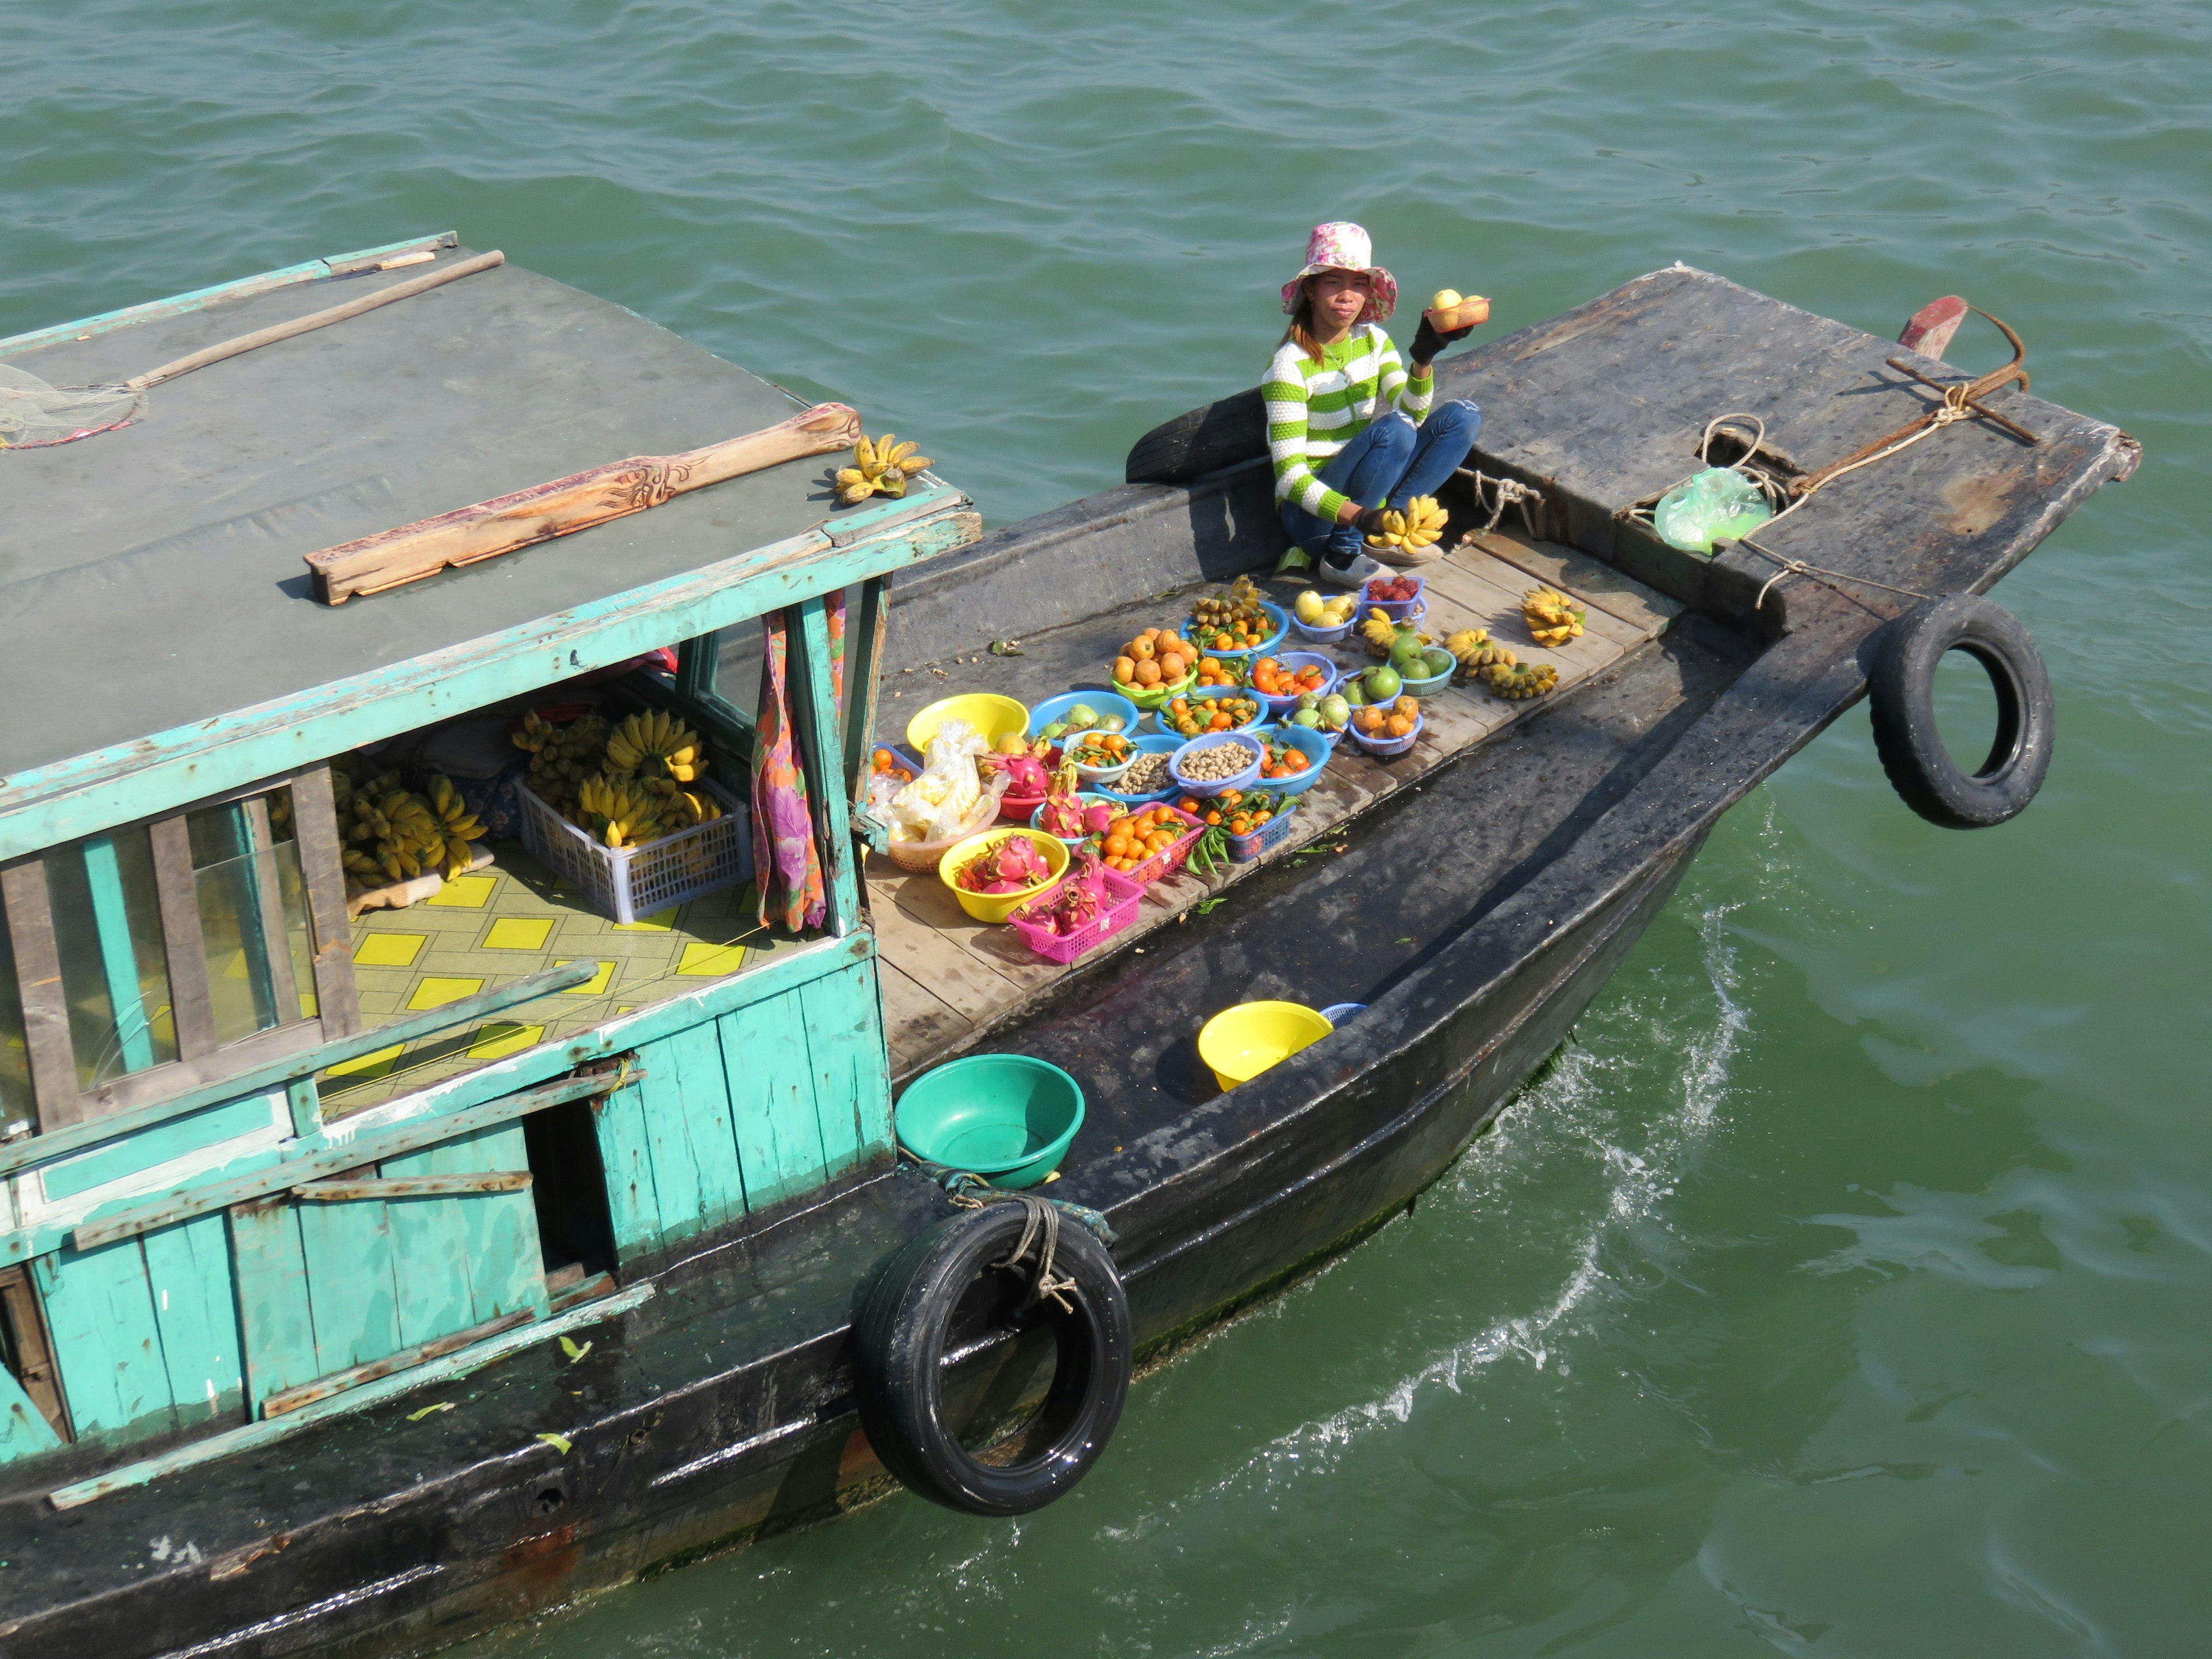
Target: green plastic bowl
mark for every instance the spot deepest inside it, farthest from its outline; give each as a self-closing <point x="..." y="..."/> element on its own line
<point x="1005" y="1117"/>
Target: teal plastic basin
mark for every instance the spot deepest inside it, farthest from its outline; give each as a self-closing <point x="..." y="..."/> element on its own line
<point x="1005" y="1117"/>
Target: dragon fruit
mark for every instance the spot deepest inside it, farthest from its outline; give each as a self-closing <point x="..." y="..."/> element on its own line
<point x="1007" y="867"/>
<point x="1026" y="775"/>
<point x="1062" y="813"/>
<point x="1096" y="817"/>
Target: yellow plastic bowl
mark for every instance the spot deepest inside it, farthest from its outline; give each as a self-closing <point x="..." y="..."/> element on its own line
<point x="997" y="907"/>
<point x="994" y="716"/>
<point x="1239" y="1043"/>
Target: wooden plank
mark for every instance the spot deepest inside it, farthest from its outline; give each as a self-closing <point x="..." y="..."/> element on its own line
<point x="45" y="1008"/>
<point x="920" y="946"/>
<point x="24" y="1430"/>
<point x="1511" y="578"/>
<point x="843" y="1017"/>
<point x="107" y="1344"/>
<point x="35" y="1376"/>
<point x="275" y="1320"/>
<point x="697" y="1180"/>
<point x="430" y="1266"/>
<point x="267" y="1074"/>
<point x="322" y="1387"/>
<point x="123" y="1097"/>
<point x="626" y="1155"/>
<point x="177" y="889"/>
<point x="382" y="1189"/>
<point x="253" y="1436"/>
<point x="315" y="827"/>
<point x="771" y="1087"/>
<point x="507" y="1264"/>
<point x="183" y="1201"/>
<point x="348" y="1250"/>
<point x="1499" y="609"/>
<point x="485" y="529"/>
<point x="188" y="1267"/>
<point x="1600" y="585"/>
<point x="975" y="956"/>
<point x="64" y="800"/>
<point x="816" y="722"/>
<point x="865" y="636"/>
<point x="915" y="1022"/>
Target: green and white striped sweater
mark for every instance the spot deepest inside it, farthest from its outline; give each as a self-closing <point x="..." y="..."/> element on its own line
<point x="1314" y="409"/>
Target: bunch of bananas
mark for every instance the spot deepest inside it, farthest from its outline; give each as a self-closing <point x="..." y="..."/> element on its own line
<point x="1381" y="635"/>
<point x="1553" y="618"/>
<point x="1476" y="650"/>
<point x="391" y="833"/>
<point x="456" y="822"/>
<point x="1417" y="527"/>
<point x="656" y="744"/>
<point x="1516" y="681"/>
<point x="879" y="468"/>
<point x="562" y="756"/>
<point x="623" y="813"/>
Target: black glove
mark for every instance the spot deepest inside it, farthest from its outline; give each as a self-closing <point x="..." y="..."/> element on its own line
<point x="1370" y="521"/>
<point x="1428" y="344"/>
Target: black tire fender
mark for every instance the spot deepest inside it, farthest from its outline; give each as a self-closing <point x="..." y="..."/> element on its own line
<point x="899" y="1345"/>
<point x="1901" y="690"/>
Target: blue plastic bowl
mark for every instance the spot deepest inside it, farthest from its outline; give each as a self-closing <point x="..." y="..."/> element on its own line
<point x="1268" y="647"/>
<point x="1103" y="702"/>
<point x="1008" y="1118"/>
<point x="1396" y="610"/>
<point x="1385" y="747"/>
<point x="1243" y="780"/>
<point x="1280" y="706"/>
<point x="1156" y="744"/>
<point x="1308" y="741"/>
<point x="1337" y="1012"/>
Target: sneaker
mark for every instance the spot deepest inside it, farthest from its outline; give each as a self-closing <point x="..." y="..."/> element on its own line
<point x="1361" y="571"/>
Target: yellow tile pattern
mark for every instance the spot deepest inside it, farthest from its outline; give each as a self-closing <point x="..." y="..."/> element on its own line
<point x="464" y="893"/>
<point x="436" y="991"/>
<point x="519" y="934"/>
<point x="498" y="1040"/>
<point x="387" y="950"/>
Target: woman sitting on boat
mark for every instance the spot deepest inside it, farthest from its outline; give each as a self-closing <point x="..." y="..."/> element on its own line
<point x="1350" y="430"/>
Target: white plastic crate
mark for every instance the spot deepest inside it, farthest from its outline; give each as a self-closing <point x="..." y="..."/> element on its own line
<point x="630" y="882"/>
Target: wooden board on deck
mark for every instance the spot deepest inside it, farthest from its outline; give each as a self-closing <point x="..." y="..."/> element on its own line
<point x="948" y="980"/>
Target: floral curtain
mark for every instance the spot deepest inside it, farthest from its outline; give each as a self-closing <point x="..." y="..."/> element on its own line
<point x="786" y="862"/>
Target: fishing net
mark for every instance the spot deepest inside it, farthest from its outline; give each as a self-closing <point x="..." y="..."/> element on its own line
<point x="33" y="414"/>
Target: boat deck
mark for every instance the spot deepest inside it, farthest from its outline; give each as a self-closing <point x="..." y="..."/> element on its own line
<point x="948" y="980"/>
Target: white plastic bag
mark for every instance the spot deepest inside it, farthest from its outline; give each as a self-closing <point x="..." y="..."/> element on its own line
<point x="943" y="795"/>
<point x="1718" y="504"/>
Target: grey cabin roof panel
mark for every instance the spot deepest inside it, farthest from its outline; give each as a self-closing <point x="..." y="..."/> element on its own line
<point x="152" y="576"/>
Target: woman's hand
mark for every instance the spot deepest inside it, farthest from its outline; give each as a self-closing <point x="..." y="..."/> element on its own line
<point x="1429" y="343"/>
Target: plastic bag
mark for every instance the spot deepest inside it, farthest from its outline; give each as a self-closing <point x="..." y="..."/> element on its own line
<point x="1719" y="504"/>
<point x="943" y="795"/>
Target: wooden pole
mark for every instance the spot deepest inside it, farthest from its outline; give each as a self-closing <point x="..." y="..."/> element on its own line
<point x="485" y="529"/>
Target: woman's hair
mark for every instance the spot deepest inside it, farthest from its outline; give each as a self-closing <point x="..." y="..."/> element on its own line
<point x="1301" y="328"/>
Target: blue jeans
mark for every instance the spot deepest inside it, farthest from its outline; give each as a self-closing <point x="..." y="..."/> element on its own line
<point x="1387" y="465"/>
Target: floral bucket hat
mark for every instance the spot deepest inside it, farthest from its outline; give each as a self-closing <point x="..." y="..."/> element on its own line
<point x="1343" y="245"/>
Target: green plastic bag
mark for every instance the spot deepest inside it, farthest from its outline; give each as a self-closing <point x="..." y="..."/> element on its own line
<point x="1719" y="504"/>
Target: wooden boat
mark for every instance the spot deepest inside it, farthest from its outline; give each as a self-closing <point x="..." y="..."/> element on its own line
<point x="264" y="1396"/>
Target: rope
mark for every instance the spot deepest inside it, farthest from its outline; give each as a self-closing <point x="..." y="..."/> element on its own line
<point x="1041" y="1226"/>
<point x="1498" y="495"/>
<point x="1961" y="402"/>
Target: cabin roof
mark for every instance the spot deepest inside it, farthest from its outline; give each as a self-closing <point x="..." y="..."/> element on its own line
<point x="153" y="576"/>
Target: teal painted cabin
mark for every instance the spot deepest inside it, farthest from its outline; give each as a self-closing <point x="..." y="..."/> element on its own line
<point x="273" y="1150"/>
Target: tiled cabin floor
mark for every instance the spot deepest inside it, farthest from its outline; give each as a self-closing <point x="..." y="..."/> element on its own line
<point x="508" y="921"/>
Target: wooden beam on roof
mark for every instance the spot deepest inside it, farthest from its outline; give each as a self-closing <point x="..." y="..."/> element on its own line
<point x="486" y="529"/>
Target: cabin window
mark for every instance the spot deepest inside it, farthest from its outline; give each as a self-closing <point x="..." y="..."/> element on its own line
<point x="165" y="955"/>
<point x="108" y="931"/>
<point x="26" y="1351"/>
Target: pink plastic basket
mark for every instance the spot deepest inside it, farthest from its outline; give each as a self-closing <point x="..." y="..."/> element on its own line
<point x="1163" y="864"/>
<point x="1123" y="897"/>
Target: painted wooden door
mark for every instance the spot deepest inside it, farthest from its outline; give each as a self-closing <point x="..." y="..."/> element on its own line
<point x="325" y="1287"/>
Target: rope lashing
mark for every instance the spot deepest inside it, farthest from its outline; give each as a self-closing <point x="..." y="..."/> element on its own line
<point x="1041" y="1227"/>
<point x="1961" y="402"/>
<point x="1498" y="494"/>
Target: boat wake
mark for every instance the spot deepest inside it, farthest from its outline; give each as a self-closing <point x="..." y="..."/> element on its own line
<point x="1589" y="1110"/>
